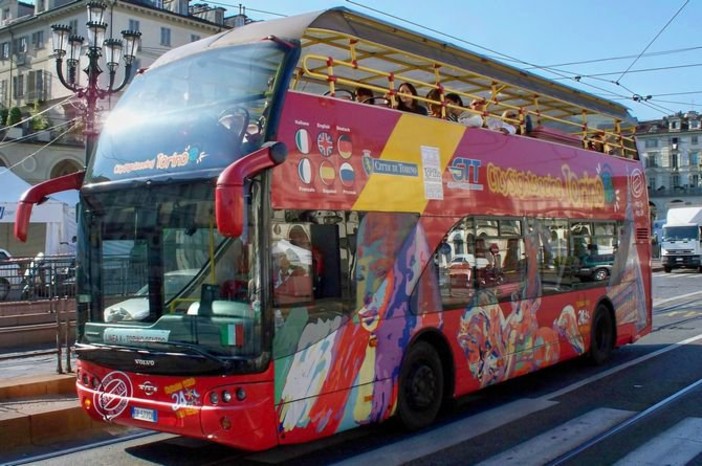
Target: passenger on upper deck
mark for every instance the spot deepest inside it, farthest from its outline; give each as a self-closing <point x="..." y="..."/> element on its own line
<point x="503" y="125"/>
<point x="363" y="95"/>
<point x="434" y="108"/>
<point x="452" y="113"/>
<point x="596" y="142"/>
<point x="406" y="102"/>
<point x="474" y="120"/>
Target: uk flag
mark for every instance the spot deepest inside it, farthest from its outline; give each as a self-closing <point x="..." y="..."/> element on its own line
<point x="325" y="144"/>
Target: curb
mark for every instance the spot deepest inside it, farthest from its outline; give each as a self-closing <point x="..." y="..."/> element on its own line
<point x="28" y="387"/>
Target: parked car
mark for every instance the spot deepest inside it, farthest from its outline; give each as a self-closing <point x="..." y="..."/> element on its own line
<point x="10" y="274"/>
<point x="596" y="267"/>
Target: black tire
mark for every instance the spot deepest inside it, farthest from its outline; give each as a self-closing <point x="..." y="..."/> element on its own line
<point x="421" y="386"/>
<point x="602" y="336"/>
<point x="667" y="269"/>
<point x="4" y="289"/>
<point x="600" y="275"/>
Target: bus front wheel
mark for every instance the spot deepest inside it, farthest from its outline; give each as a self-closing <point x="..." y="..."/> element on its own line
<point x="602" y="336"/>
<point x="421" y="386"/>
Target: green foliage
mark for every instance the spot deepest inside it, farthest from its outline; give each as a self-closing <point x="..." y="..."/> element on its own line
<point x="4" y="113"/>
<point x="39" y="122"/>
<point x="15" y="116"/>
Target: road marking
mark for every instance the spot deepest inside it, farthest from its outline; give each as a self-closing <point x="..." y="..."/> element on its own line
<point x="676" y="446"/>
<point x="657" y="303"/>
<point x="561" y="439"/>
<point x="465" y="429"/>
<point x="619" y="368"/>
<point x="449" y="435"/>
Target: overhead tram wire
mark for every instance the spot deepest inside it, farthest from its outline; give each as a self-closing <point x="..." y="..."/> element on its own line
<point x="500" y="54"/>
<point x="624" y="57"/>
<point x="653" y="40"/>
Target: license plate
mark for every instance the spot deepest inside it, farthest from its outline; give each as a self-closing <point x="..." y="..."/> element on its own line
<point x="144" y="414"/>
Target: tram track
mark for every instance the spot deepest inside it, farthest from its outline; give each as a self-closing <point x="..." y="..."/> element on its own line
<point x="626" y="424"/>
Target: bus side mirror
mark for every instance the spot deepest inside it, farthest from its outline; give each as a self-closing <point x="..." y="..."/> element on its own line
<point x="38" y="194"/>
<point x="229" y="193"/>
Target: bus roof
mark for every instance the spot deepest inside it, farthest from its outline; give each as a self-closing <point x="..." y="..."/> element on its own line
<point x="367" y="51"/>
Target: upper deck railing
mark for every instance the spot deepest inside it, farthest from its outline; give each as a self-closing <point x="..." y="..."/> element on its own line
<point x="334" y="60"/>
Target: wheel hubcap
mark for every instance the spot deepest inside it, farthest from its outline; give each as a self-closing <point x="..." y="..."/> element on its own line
<point x="422" y="387"/>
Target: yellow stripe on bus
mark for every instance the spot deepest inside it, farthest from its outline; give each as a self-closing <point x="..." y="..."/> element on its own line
<point x="393" y="192"/>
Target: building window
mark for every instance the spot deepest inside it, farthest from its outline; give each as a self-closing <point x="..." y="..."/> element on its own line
<point x="38" y="39"/>
<point x="5" y="51"/>
<point x="652" y="160"/>
<point x="19" y="45"/>
<point x="194" y="37"/>
<point x="35" y="86"/>
<point x="18" y="87"/>
<point x="651" y="143"/>
<point x="73" y="24"/>
<point x="166" y="37"/>
<point x="134" y="25"/>
<point x="694" y="181"/>
<point x="693" y="140"/>
<point x="673" y="125"/>
<point x="694" y="159"/>
<point x="3" y="95"/>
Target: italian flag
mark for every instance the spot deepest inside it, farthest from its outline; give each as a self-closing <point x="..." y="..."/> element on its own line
<point x="232" y="335"/>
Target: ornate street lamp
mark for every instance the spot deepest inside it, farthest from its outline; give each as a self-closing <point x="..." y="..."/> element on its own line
<point x="70" y="45"/>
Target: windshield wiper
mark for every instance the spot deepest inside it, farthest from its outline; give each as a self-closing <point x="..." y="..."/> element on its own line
<point x="195" y="349"/>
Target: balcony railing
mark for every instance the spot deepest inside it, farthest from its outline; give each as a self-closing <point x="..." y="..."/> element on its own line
<point x="675" y="192"/>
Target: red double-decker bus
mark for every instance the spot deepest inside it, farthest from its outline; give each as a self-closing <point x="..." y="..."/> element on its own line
<point x="263" y="260"/>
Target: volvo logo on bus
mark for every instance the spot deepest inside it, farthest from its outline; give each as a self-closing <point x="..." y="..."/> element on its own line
<point x="145" y="362"/>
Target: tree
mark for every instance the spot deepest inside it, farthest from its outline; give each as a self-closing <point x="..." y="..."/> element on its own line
<point x="39" y="120"/>
<point x="15" y="116"/>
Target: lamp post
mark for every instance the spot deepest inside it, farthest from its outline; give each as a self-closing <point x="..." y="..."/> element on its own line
<point x="70" y="46"/>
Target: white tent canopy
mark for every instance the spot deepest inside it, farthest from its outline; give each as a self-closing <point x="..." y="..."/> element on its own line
<point x="58" y="217"/>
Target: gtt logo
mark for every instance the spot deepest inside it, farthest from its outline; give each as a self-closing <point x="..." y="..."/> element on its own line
<point x="465" y="169"/>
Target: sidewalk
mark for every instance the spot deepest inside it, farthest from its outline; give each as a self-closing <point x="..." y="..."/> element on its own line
<point x="39" y="408"/>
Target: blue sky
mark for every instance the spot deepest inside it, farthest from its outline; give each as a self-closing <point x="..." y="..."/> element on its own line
<point x="552" y="33"/>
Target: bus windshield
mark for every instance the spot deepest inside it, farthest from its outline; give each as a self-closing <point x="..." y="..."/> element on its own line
<point x="198" y="113"/>
<point x="163" y="276"/>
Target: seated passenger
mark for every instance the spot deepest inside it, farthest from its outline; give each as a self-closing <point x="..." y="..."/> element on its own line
<point x="494" y="258"/>
<point x="291" y="280"/>
<point x="435" y="108"/>
<point x="596" y="142"/>
<point x="406" y="101"/>
<point x="504" y="125"/>
<point x="474" y="120"/>
<point x="363" y="95"/>
<point x="453" y="113"/>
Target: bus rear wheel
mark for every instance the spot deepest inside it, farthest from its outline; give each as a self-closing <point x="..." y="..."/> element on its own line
<point x="421" y="386"/>
<point x="602" y="336"/>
